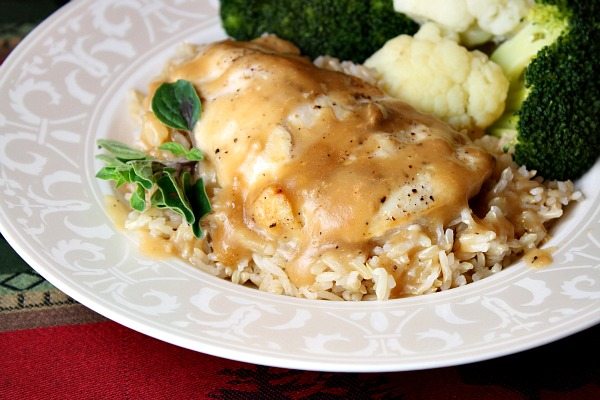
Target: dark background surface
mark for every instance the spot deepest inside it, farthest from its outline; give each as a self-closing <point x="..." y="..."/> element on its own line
<point x="27" y="11"/>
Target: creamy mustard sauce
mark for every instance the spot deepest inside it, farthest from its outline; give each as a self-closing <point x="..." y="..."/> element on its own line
<point x="117" y="211"/>
<point x="318" y="158"/>
<point x="155" y="247"/>
<point x="538" y="258"/>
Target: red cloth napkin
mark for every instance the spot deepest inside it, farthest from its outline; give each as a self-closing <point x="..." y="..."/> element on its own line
<point x="108" y="361"/>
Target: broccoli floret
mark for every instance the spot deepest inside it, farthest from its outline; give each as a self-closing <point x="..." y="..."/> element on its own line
<point x="346" y="29"/>
<point x="553" y="107"/>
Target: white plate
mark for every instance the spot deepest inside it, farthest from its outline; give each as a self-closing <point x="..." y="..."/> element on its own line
<point x="67" y="84"/>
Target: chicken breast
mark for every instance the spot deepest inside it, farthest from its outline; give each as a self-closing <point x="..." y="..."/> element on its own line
<point x="318" y="159"/>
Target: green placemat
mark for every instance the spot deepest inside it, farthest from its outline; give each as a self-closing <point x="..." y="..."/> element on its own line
<point x="16" y="276"/>
<point x="28" y="301"/>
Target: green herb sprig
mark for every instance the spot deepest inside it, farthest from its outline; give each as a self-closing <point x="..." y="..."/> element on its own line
<point x="170" y="183"/>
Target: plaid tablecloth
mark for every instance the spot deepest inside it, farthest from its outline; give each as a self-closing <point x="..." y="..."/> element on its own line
<point x="51" y="347"/>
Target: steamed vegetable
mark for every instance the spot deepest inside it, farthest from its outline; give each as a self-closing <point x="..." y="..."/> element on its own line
<point x="553" y="107"/>
<point x="477" y="21"/>
<point x="346" y="29"/>
<point x="436" y="75"/>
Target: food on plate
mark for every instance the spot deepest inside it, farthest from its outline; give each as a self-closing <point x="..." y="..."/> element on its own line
<point x="548" y="50"/>
<point x="476" y="21"/>
<point x="553" y="107"/>
<point x="320" y="184"/>
<point x="347" y="29"/>
<point x="437" y="76"/>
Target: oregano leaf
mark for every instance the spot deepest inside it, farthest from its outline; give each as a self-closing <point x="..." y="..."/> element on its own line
<point x="177" y="149"/>
<point x="173" y="196"/>
<point x="177" y="105"/>
<point x="138" y="198"/>
<point x="121" y="151"/>
<point x="143" y="173"/>
<point x="198" y="199"/>
<point x="194" y="154"/>
<point x="174" y="148"/>
<point x="110" y="161"/>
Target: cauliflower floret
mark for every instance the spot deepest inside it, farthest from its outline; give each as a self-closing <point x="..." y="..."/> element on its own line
<point x="436" y="75"/>
<point x="477" y="21"/>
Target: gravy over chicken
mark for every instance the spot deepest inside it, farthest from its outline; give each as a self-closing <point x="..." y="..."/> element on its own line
<point x="318" y="159"/>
